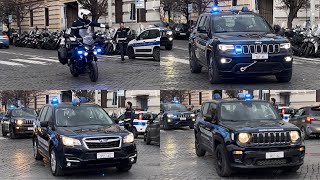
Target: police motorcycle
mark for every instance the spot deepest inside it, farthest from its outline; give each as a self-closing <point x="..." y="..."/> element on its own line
<point x="110" y="44"/>
<point x="80" y="54"/>
<point x="312" y="49"/>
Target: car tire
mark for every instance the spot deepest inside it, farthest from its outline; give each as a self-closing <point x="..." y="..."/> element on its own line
<point x="156" y="54"/>
<point x="36" y="154"/>
<point x="73" y="71"/>
<point x="55" y="166"/>
<point x="7" y="47"/>
<point x="131" y="53"/>
<point x="94" y="73"/>
<point x="12" y="133"/>
<point x="221" y="161"/>
<point x="135" y="132"/>
<point x="169" y="47"/>
<point x="213" y="72"/>
<point x="124" y="168"/>
<point x="4" y="133"/>
<point x="199" y="151"/>
<point x="194" y="66"/>
<point x="148" y="139"/>
<point x="284" y="77"/>
<point x="304" y="134"/>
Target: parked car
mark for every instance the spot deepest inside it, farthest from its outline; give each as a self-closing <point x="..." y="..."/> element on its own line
<point x="308" y="120"/>
<point x="182" y="31"/>
<point x="285" y="112"/>
<point x="152" y="132"/>
<point x="4" y="40"/>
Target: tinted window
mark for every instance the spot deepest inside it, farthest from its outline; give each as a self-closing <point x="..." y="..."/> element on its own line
<point x="154" y="34"/>
<point x="209" y="109"/>
<point x="175" y="107"/>
<point x="315" y="111"/>
<point x="144" y="35"/>
<point x="43" y="113"/>
<point x="24" y="112"/>
<point x="48" y="115"/>
<point x="203" y="21"/>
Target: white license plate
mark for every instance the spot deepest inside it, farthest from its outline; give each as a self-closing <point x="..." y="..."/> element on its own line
<point x="30" y="128"/>
<point x="274" y="155"/>
<point x="105" y="155"/>
<point x="183" y="118"/>
<point x="183" y="34"/>
<point x="260" y="56"/>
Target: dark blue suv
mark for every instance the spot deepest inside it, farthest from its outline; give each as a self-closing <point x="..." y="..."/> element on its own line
<point x="72" y="136"/>
<point x="238" y="44"/>
<point x="247" y="134"/>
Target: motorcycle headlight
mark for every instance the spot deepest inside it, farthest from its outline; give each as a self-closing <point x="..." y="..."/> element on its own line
<point x="285" y="46"/>
<point x="70" y="141"/>
<point x="129" y="138"/>
<point x="294" y="135"/>
<point x="225" y="47"/>
<point x="19" y="122"/>
<point x="243" y="137"/>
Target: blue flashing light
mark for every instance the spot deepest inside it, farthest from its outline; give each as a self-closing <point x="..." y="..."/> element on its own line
<point x="215" y="9"/>
<point x="12" y="106"/>
<point x="80" y="52"/>
<point x="244" y="96"/>
<point x="247" y="97"/>
<point x="238" y="49"/>
<point x="54" y="101"/>
<point x="83" y="100"/>
<point x="99" y="50"/>
<point x="216" y="96"/>
<point x="245" y="9"/>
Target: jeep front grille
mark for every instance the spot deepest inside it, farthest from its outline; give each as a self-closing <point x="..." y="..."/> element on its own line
<point x="271" y="162"/>
<point x="183" y="115"/>
<point x="103" y="142"/>
<point x="259" y="48"/>
<point x="271" y="138"/>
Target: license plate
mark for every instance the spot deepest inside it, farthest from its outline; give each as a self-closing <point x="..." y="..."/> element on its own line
<point x="30" y="128"/>
<point x="183" y="34"/>
<point x="105" y="155"/>
<point x="260" y="56"/>
<point x="274" y="155"/>
<point x="183" y="118"/>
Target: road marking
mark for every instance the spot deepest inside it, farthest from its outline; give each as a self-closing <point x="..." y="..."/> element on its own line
<point x="180" y="48"/>
<point x="11" y="63"/>
<point x="174" y="59"/>
<point x="28" y="61"/>
<point x="2" y="138"/>
<point x="45" y="59"/>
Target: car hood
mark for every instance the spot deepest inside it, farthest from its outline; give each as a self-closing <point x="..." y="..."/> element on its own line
<point x="25" y="118"/>
<point x="92" y="130"/>
<point x="179" y="112"/>
<point x="247" y="37"/>
<point x="263" y="125"/>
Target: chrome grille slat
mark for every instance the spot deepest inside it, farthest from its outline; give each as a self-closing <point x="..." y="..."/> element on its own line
<point x="260" y="48"/>
<point x="270" y="138"/>
<point x="107" y="143"/>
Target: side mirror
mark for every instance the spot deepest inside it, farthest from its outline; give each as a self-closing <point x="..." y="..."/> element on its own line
<point x="202" y="29"/>
<point x="44" y="124"/>
<point x="276" y="28"/>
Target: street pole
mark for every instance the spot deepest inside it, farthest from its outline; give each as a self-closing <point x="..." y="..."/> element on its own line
<point x="312" y="12"/>
<point x="110" y="13"/>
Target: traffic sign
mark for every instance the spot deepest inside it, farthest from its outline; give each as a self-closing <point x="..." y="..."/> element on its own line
<point x="10" y="19"/>
<point x="190" y="8"/>
<point x="140" y="4"/>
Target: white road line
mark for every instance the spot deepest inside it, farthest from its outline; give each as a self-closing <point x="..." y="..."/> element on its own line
<point x="180" y="48"/>
<point x="28" y="61"/>
<point x="2" y="138"/>
<point x="45" y="59"/>
<point x="11" y="63"/>
<point x="178" y="60"/>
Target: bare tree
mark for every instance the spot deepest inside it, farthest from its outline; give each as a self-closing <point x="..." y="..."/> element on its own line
<point x="88" y="94"/>
<point x="12" y="97"/>
<point x="232" y="93"/>
<point x="293" y="6"/>
<point x="19" y="9"/>
<point x="168" y="95"/>
<point x="97" y="7"/>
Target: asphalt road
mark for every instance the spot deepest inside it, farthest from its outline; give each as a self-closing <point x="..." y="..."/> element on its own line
<point x="179" y="160"/>
<point x="25" y="69"/>
<point x="175" y="74"/>
<point x="17" y="162"/>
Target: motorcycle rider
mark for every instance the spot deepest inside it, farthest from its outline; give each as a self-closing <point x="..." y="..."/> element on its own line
<point x="122" y="37"/>
<point x="129" y="114"/>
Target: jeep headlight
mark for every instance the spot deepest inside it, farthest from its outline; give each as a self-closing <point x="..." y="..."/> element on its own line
<point x="225" y="47"/>
<point x="170" y="115"/>
<point x="243" y="137"/>
<point x="129" y="138"/>
<point x="193" y="115"/>
<point x="19" y="122"/>
<point x="70" y="141"/>
<point x="294" y="135"/>
<point x="285" y="46"/>
<point x="169" y="33"/>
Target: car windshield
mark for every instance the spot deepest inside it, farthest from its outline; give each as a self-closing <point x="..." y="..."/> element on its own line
<point x="315" y="111"/>
<point x="24" y="112"/>
<point x="240" y="23"/>
<point x="175" y="107"/>
<point x="248" y="111"/>
<point x="81" y="116"/>
<point x="87" y="36"/>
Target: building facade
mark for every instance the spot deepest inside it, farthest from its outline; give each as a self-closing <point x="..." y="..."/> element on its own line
<point x="60" y="14"/>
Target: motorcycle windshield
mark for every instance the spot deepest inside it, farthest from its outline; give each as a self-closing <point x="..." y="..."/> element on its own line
<point x="87" y="37"/>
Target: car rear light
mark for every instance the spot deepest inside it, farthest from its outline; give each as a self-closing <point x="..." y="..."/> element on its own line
<point x="140" y="116"/>
<point x="309" y="119"/>
<point x="282" y="111"/>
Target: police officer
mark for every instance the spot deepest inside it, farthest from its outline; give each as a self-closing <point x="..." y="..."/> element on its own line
<point x="122" y="37"/>
<point x="129" y="114"/>
<point x="83" y="23"/>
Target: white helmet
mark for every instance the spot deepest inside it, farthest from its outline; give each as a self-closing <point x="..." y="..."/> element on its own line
<point x="83" y="12"/>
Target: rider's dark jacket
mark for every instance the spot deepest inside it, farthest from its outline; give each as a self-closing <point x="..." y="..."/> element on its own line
<point x="122" y="34"/>
<point x="129" y="114"/>
<point x="82" y="24"/>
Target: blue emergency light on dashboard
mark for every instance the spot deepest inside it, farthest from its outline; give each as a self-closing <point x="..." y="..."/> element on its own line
<point x="215" y="9"/>
<point x="247" y="97"/>
<point x="216" y="96"/>
<point x="245" y="9"/>
<point x="238" y="49"/>
<point x="80" y="52"/>
<point x="12" y="106"/>
<point x="99" y="50"/>
<point x="244" y="96"/>
<point x="54" y="101"/>
<point x="83" y="100"/>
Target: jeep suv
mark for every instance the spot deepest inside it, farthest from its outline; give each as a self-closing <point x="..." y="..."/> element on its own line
<point x="247" y="134"/>
<point x="238" y="44"/>
<point x="72" y="136"/>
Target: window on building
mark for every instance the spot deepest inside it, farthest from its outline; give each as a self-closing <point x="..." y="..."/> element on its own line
<point x="142" y="13"/>
<point x="317" y="95"/>
<point x="31" y="18"/>
<point x="46" y="15"/>
<point x="189" y="98"/>
<point x="118" y="11"/>
<point x="200" y="98"/>
<point x="122" y="101"/>
<point x="114" y="98"/>
<point x="47" y="99"/>
<point x="285" y="98"/>
<point x="104" y="98"/>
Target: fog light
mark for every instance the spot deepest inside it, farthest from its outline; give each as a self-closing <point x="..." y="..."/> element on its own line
<point x="237" y="152"/>
<point x="17" y="127"/>
<point x="169" y="120"/>
<point x="68" y="164"/>
<point x="288" y="58"/>
<point x="301" y="149"/>
<point x="193" y="119"/>
<point x="170" y="38"/>
<point x="131" y="160"/>
<point x="225" y="60"/>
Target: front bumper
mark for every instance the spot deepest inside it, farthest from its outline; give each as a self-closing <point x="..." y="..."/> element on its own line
<point x="165" y="41"/>
<point x="27" y="130"/>
<point x="80" y="157"/>
<point x="256" y="157"/>
<point x="176" y="122"/>
<point x="274" y="65"/>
